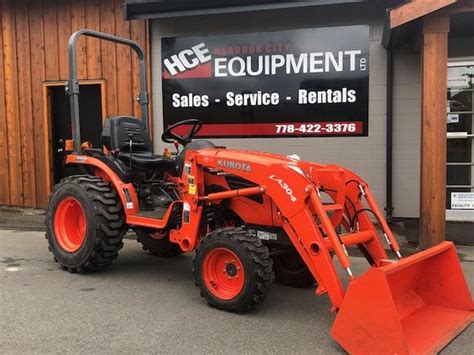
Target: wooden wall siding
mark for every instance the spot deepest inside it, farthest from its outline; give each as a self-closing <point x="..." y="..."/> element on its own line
<point x="33" y="48"/>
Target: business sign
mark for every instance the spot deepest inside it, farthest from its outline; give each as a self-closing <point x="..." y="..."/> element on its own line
<point x="305" y="83"/>
<point x="462" y="200"/>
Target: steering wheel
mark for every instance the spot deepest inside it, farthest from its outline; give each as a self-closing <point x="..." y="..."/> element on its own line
<point x="169" y="137"/>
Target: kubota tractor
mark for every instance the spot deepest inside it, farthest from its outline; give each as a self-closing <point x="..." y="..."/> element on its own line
<point x="248" y="216"/>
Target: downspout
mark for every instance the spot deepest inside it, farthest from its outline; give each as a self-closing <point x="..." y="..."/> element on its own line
<point x="389" y="138"/>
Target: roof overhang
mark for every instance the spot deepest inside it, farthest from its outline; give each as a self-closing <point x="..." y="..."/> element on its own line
<point x="153" y="9"/>
<point x="404" y="21"/>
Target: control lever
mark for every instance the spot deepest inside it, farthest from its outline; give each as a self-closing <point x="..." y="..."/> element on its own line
<point x="176" y="145"/>
<point x="130" y="137"/>
<point x="61" y="145"/>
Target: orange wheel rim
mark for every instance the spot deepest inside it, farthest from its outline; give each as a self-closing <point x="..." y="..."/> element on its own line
<point x="70" y="224"/>
<point x="223" y="273"/>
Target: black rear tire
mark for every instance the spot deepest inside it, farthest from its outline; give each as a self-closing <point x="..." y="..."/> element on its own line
<point x="158" y="247"/>
<point x="254" y="267"/>
<point x="104" y="223"/>
<point x="291" y="270"/>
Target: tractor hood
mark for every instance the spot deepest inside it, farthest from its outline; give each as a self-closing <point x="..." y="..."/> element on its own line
<point x="249" y="157"/>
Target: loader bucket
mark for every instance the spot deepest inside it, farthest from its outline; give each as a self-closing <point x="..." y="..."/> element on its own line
<point x="414" y="306"/>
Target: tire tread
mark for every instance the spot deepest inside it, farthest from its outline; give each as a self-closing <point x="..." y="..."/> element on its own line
<point x="110" y="222"/>
<point x="261" y="260"/>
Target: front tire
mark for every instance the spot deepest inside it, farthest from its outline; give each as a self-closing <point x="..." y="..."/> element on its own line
<point x="85" y="223"/>
<point x="233" y="269"/>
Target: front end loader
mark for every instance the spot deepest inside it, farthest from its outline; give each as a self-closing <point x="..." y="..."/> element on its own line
<point x="249" y="217"/>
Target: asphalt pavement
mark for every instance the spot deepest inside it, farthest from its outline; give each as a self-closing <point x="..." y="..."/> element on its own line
<point x="143" y="304"/>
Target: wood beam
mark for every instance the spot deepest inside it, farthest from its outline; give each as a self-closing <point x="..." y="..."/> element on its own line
<point x="460" y="7"/>
<point x="433" y="130"/>
<point x="416" y="9"/>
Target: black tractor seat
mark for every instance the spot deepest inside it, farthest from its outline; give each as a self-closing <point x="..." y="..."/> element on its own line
<point x="147" y="160"/>
<point x="116" y="136"/>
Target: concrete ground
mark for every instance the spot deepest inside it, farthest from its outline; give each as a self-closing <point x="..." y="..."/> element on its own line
<point x="143" y="304"/>
<point x="18" y="218"/>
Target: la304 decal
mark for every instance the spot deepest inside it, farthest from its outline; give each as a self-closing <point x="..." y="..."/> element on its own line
<point x="285" y="187"/>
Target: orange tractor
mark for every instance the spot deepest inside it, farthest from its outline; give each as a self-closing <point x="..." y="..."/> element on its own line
<point x="249" y="217"/>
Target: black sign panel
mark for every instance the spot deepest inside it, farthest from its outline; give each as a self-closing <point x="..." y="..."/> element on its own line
<point x="308" y="82"/>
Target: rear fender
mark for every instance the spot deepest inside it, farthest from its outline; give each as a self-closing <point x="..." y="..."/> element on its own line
<point x="126" y="191"/>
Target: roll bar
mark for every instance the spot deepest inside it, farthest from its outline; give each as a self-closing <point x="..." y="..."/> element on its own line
<point x="72" y="87"/>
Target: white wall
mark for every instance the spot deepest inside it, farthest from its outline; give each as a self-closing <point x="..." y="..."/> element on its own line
<point x="406" y="133"/>
<point x="364" y="155"/>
